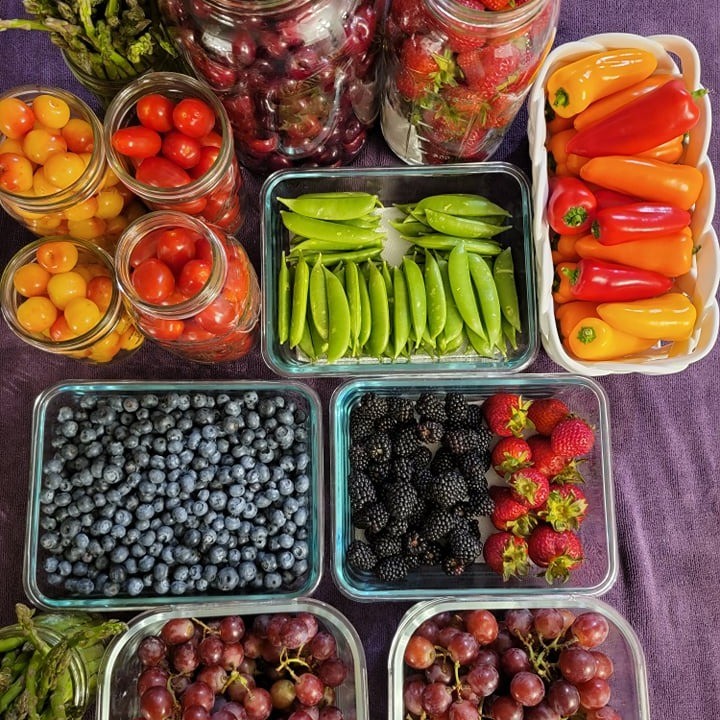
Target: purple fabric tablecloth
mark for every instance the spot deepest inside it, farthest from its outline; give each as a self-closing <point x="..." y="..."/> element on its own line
<point x="664" y="429"/>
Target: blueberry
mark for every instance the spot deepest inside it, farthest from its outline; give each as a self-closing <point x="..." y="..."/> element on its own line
<point x="161" y="587"/>
<point x="227" y="579"/>
<point x="134" y="586"/>
<point x="248" y="553"/>
<point x="217" y="554"/>
<point x="272" y="581"/>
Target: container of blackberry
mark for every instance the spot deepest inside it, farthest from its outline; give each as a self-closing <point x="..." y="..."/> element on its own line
<point x="149" y="493"/>
<point x="396" y="536"/>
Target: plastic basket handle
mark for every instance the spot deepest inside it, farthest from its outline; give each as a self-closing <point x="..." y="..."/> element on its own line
<point x="688" y="55"/>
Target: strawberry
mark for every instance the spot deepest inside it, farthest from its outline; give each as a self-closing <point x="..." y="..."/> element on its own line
<point x="496" y="4"/>
<point x="416" y="55"/>
<point x="572" y="437"/>
<point x="410" y="16"/>
<point x="556" y="467"/>
<point x="409" y="86"/>
<point x="557" y="552"/>
<point x="506" y="414"/>
<point x="490" y="68"/>
<point x="499" y="112"/>
<point x="510" y="454"/>
<point x="530" y="487"/>
<point x="546" y="413"/>
<point x="464" y="101"/>
<point x="509" y="514"/>
<point x="506" y="554"/>
<point x="565" y="507"/>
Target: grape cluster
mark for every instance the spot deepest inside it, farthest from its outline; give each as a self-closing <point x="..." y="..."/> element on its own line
<point x="541" y="664"/>
<point x="274" y="666"/>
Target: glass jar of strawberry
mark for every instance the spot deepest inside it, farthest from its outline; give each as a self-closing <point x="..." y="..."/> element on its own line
<point x="190" y="287"/>
<point x="169" y="140"/>
<point x="297" y="77"/>
<point x="457" y="72"/>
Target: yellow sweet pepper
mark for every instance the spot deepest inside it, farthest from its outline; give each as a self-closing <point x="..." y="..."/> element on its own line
<point x="594" y="339"/>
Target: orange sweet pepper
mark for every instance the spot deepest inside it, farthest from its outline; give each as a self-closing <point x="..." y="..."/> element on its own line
<point x="562" y="290"/>
<point x="594" y="339"/>
<point x="564" y="249"/>
<point x="568" y="315"/>
<point x="561" y="162"/>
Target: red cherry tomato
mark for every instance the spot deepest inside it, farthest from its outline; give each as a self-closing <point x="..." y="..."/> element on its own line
<point x="194" y="332"/>
<point x="181" y="149"/>
<point x="154" y="111"/>
<point x="175" y="247"/>
<point x="212" y="139"/>
<point x="136" y="141"/>
<point x="237" y="282"/>
<point x="203" y="250"/>
<point x="218" y="317"/>
<point x="193" y="276"/>
<point x="153" y="280"/>
<point x="160" y="172"/>
<point x="162" y="329"/>
<point x="194" y="117"/>
<point x="208" y="156"/>
<point x="145" y="248"/>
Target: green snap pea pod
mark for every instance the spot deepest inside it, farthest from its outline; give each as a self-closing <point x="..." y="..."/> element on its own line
<point x="283" y="301"/>
<point x="387" y="277"/>
<point x="494" y="219"/>
<point x="320" y="345"/>
<point x="318" y="298"/>
<point x="298" y="312"/>
<point x="428" y="348"/>
<point x="330" y="259"/>
<point x="510" y="333"/>
<point x="338" y="318"/>
<point x="462" y="204"/>
<point x="366" y="221"/>
<point x="405" y="207"/>
<point x="309" y="245"/>
<point x="379" y="312"/>
<point x="456" y="343"/>
<point x="417" y="297"/>
<point x="339" y="272"/>
<point x="365" y="311"/>
<point x="306" y="343"/>
<point x="453" y="319"/>
<point x="479" y="344"/>
<point x="352" y="290"/>
<point x="504" y="275"/>
<point x="409" y="229"/>
<point x="461" y="226"/>
<point x="11" y="642"/>
<point x="461" y="284"/>
<point x="325" y="229"/>
<point x="401" y="312"/>
<point x="332" y="206"/>
<point x="488" y="297"/>
<point x="435" y="301"/>
<point x="448" y="242"/>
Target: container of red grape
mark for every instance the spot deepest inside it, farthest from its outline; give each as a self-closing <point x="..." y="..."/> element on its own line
<point x="526" y="658"/>
<point x="297" y="659"/>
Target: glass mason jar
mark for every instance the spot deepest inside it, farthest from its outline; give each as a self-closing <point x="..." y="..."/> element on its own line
<point x="217" y="195"/>
<point x="456" y="76"/>
<point x="59" y="295"/>
<point x="89" y="203"/>
<point x="297" y="77"/>
<point x="190" y="287"/>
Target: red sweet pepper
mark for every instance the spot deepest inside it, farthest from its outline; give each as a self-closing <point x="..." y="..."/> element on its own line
<point x="600" y="281"/>
<point x="571" y="206"/>
<point x="610" y="198"/>
<point x="644" y="123"/>
<point x="638" y="221"/>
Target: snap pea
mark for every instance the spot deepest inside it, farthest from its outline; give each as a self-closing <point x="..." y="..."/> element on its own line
<point x="298" y="311"/>
<point x="401" y="312"/>
<point x="306" y="343"/>
<point x="338" y="318"/>
<point x="320" y="344"/>
<point x="352" y="289"/>
<point x="317" y="296"/>
<point x="325" y="229"/>
<point x="454" y="344"/>
<point x="283" y="300"/>
<point x="453" y="320"/>
<point x="462" y="204"/>
<point x="461" y="226"/>
<point x="339" y="272"/>
<point x="435" y="301"/>
<point x="448" y="242"/>
<point x="367" y="221"/>
<point x="510" y="333"/>
<point x="387" y="277"/>
<point x="365" y="311"/>
<point x="417" y="297"/>
<point x="312" y="245"/>
<point x="504" y="276"/>
<point x="333" y="206"/>
<point x="461" y="284"/>
<point x="488" y="297"/>
<point x="379" y="312"/>
<point x="331" y="258"/>
<point x="409" y="229"/>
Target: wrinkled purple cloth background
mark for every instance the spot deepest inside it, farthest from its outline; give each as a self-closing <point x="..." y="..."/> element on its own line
<point x="664" y="429"/>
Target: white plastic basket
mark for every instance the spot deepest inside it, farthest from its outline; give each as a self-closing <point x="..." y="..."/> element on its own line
<point x="701" y="283"/>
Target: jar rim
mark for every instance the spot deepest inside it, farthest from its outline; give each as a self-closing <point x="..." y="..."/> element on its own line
<point x="455" y="12"/>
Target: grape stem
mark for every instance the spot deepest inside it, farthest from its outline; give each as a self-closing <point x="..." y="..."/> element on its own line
<point x="286" y="661"/>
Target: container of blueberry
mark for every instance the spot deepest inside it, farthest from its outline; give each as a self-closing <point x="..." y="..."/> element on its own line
<point x="422" y="506"/>
<point x="291" y="658"/>
<point x="146" y="493"/>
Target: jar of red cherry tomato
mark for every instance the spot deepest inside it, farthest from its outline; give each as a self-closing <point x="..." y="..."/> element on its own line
<point x="189" y="286"/>
<point x="59" y="294"/>
<point x="297" y="77"/>
<point x="457" y="72"/>
<point x="169" y="140"/>
<point x="53" y="175"/>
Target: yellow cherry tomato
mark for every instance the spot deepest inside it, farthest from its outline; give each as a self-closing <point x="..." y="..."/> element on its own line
<point x="83" y="210"/>
<point x="82" y="315"/>
<point x="106" y="349"/>
<point x="40" y="144"/>
<point x="131" y="339"/>
<point x="11" y="146"/>
<point x="16" y="118"/>
<point x="114" y="226"/>
<point x="53" y="112"/>
<point x="63" y="169"/>
<point x="31" y="280"/>
<point x="109" y="204"/>
<point x="100" y="291"/>
<point x="58" y="256"/>
<point x="59" y="330"/>
<point x="64" y="287"/>
<point x="110" y="179"/>
<point x="37" y="314"/>
<point x="41" y="185"/>
<point x="51" y="224"/>
<point x="78" y="134"/>
<point x="89" y="229"/>
<point x="16" y="173"/>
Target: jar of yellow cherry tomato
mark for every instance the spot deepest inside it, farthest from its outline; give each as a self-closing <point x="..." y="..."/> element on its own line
<point x="59" y="294"/>
<point x="54" y="178"/>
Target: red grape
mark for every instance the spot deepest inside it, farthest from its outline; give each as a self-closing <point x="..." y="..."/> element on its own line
<point x="258" y="704"/>
<point x="590" y="629"/>
<point x="483" y="679"/>
<point x="503" y="641"/>
<point x="576" y="664"/>
<point x="463" y="647"/>
<point x="463" y="710"/>
<point x="527" y="688"/>
<point x="482" y="625"/>
<point x="240" y="687"/>
<point x="540" y="712"/>
<point x="332" y="672"/>
<point x="428" y="629"/>
<point x="419" y="652"/>
<point x="185" y="658"/>
<point x="299" y="715"/>
<point x="446" y="634"/>
<point x="152" y="677"/>
<point x="236" y="709"/>
<point x="195" y="712"/>
<point x="310" y="622"/>
<point x="252" y="645"/>
<point x="222" y="714"/>
<point x="412" y="695"/>
<point x="603" y="713"/>
<point x="323" y="645"/>
<point x="294" y="634"/>
<point x="177" y="631"/>
<point x="214" y="676"/>
<point x="282" y="693"/>
<point x="198" y="693"/>
<point x="210" y="650"/>
<point x="548" y="623"/>
<point x="151" y="651"/>
<point x="604" y="667"/>
<point x="232" y="629"/>
<point x="232" y="656"/>
<point x="439" y="672"/>
<point x="519" y="622"/>
<point x="486" y="656"/>
<point x="568" y="617"/>
<point x="436" y="698"/>
<point x="563" y="697"/>
<point x="505" y="708"/>
<point x="157" y="703"/>
<point x="309" y="689"/>
<point x="514" y="660"/>
<point x="594" y="693"/>
<point x="330" y="712"/>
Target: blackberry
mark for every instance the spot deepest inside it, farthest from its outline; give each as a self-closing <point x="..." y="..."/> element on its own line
<point x="379" y="447"/>
<point x="474" y="465"/>
<point x="433" y="554"/>
<point x="386" y="545"/>
<point x="456" y="408"/>
<point x="380" y="472"/>
<point x="372" y="516"/>
<point x="386" y="424"/>
<point x="449" y="489"/>
<point x="431" y="407"/>
<point x="372" y="406"/>
<point x="474" y="416"/>
<point x="392" y="569"/>
<point x="419" y="511"/>
<point x="480" y="505"/>
<point x="358" y="456"/>
<point x="401" y="408"/>
<point x="438" y="524"/>
<point x="464" y="545"/>
<point x="400" y="499"/>
<point x="360" y="556"/>
<point x="422" y="457"/>
<point x="360" y="490"/>
<point x="452" y="566"/>
<point x="415" y="544"/>
<point x="396" y="527"/>
<point x="423" y="480"/>
<point x="442" y="462"/>
<point x="360" y="427"/>
<point x="430" y="431"/>
<point x="405" y="441"/>
<point x="463" y="440"/>
<point x="402" y="469"/>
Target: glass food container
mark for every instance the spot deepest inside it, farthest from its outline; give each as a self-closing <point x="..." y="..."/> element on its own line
<point x="212" y="188"/>
<point x="71" y="191"/>
<point x="60" y="295"/>
<point x="297" y="78"/>
<point x="190" y="287"/>
<point x="456" y="75"/>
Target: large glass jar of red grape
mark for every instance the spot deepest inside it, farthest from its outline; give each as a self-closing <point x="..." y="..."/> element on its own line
<point x="190" y="287"/>
<point x="457" y="72"/>
<point x="297" y="77"/>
